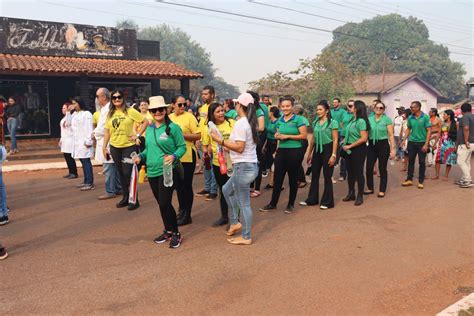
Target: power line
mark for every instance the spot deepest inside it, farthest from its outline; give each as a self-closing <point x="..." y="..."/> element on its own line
<point x="307" y="13"/>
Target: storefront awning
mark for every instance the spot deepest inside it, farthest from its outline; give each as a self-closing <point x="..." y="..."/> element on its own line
<point x="92" y="67"/>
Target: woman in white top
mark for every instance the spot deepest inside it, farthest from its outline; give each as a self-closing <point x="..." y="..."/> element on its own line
<point x="81" y="125"/>
<point x="242" y="146"/>
<point x="66" y="143"/>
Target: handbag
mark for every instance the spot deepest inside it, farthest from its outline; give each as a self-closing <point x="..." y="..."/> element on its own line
<point x="178" y="165"/>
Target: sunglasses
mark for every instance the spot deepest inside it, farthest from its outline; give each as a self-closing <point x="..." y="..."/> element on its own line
<point x="180" y="104"/>
<point x="117" y="97"/>
<point x="157" y="110"/>
<point x="379" y="108"/>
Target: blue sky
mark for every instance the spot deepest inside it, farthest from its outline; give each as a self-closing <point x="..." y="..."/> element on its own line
<point x="244" y="49"/>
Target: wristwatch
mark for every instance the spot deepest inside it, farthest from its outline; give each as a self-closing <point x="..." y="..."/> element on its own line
<point x="138" y="135"/>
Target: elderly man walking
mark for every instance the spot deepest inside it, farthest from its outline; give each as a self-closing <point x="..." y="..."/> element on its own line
<point x="112" y="177"/>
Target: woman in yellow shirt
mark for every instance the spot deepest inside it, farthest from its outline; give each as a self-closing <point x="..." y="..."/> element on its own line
<point x="217" y="116"/>
<point x="189" y="126"/>
<point x="119" y="132"/>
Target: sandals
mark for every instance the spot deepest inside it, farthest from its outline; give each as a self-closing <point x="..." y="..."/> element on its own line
<point x="255" y="194"/>
<point x="381" y="195"/>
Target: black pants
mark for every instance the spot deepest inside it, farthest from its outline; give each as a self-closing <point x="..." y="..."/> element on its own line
<point x="321" y="160"/>
<point x="262" y="137"/>
<point x="355" y="168"/>
<point x="413" y="150"/>
<point x="71" y="164"/>
<point x="340" y="160"/>
<point x="124" y="169"/>
<point x="301" y="173"/>
<point x="270" y="149"/>
<point x="164" y="197"/>
<point x="185" y="187"/>
<point x="221" y="179"/>
<point x="379" y="151"/>
<point x="287" y="160"/>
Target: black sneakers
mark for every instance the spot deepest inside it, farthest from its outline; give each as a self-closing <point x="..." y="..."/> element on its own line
<point x="267" y="208"/>
<point x="4" y="220"/>
<point x="3" y="253"/>
<point x="289" y="209"/>
<point x="174" y="239"/>
<point x="163" y="237"/>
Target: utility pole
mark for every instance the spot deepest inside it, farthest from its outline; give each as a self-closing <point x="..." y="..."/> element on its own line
<point x="383" y="71"/>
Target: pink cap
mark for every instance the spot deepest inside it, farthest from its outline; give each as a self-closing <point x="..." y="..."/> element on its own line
<point x="244" y="99"/>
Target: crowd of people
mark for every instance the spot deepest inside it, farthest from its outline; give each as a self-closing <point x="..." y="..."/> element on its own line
<point x="243" y="140"/>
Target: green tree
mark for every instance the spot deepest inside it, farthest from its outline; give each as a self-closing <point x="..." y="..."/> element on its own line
<point x="407" y="47"/>
<point x="178" y="47"/>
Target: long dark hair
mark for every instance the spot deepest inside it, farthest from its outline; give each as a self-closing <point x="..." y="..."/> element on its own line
<point x="212" y="109"/>
<point x="256" y="99"/>
<point x="79" y="101"/>
<point x="275" y="111"/>
<point x="325" y="104"/>
<point x="112" y="106"/>
<point x="452" y="132"/>
<point x="251" y="113"/>
<point x="361" y="112"/>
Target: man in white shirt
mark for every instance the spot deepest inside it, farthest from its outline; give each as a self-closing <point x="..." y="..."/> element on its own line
<point x="397" y="126"/>
<point x="112" y="177"/>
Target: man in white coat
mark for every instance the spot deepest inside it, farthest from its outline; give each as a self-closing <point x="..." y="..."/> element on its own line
<point x="112" y="178"/>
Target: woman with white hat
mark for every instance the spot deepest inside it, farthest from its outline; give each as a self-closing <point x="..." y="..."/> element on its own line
<point x="164" y="145"/>
<point x="242" y="145"/>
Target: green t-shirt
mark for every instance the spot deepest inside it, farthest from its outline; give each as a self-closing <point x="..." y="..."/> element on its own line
<point x="378" y="129"/>
<point x="158" y="144"/>
<point x="271" y="129"/>
<point x="305" y="120"/>
<point x="354" y="127"/>
<point x="338" y="116"/>
<point x="290" y="127"/>
<point x="323" y="133"/>
<point x="418" y="127"/>
<point x="232" y="114"/>
<point x="346" y="118"/>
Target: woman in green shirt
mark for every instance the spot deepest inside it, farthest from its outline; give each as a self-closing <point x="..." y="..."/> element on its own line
<point x="164" y="144"/>
<point x="271" y="143"/>
<point x="323" y="145"/>
<point x="381" y="147"/>
<point x="291" y="130"/>
<point x="355" y="151"/>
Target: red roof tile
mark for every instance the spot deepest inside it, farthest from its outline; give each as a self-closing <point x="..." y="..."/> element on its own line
<point x="53" y="65"/>
<point x="379" y="84"/>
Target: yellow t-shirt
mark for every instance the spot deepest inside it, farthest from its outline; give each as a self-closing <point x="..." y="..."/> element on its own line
<point x="189" y="125"/>
<point x="225" y="129"/>
<point x="95" y="117"/>
<point x="120" y="127"/>
<point x="136" y="125"/>
<point x="203" y="118"/>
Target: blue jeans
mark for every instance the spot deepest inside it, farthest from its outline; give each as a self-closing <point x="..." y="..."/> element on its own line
<point x="3" y="198"/>
<point x="112" y="179"/>
<point x="12" y="125"/>
<point x="210" y="184"/>
<point x="237" y="194"/>
<point x="88" y="172"/>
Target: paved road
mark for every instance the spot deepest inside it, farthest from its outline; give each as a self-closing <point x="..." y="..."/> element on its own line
<point x="409" y="253"/>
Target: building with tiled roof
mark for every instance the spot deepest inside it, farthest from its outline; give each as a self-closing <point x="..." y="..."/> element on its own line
<point x="395" y="90"/>
<point x="44" y="64"/>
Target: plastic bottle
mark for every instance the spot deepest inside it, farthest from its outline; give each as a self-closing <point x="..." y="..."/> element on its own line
<point x="141" y="175"/>
<point x="222" y="162"/>
<point x="167" y="174"/>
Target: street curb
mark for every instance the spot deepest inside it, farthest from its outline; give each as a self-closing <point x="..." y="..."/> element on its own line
<point x="40" y="166"/>
<point x="454" y="309"/>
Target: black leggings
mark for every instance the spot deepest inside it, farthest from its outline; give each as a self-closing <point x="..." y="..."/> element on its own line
<point x="262" y="137"/>
<point x="71" y="164"/>
<point x="270" y="149"/>
<point x="287" y="160"/>
<point x="321" y="160"/>
<point x="185" y="188"/>
<point x="379" y="151"/>
<point x="355" y="168"/>
<point x="221" y="179"/>
<point x="301" y="173"/>
<point x="124" y="169"/>
<point x="164" y="197"/>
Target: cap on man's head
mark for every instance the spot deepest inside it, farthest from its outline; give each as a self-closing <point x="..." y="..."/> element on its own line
<point x="401" y="108"/>
<point x="244" y="99"/>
